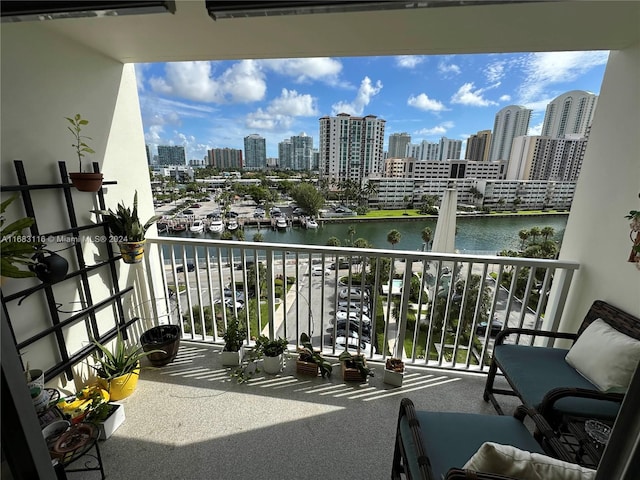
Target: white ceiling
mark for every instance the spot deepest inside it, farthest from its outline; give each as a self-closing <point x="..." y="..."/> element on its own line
<point x="190" y="34"/>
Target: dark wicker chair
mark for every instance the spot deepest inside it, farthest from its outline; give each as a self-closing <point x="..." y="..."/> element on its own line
<point x="544" y="381"/>
<point x="436" y="445"/>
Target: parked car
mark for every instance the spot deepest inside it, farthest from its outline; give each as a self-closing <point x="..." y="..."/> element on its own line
<point x="196" y="205"/>
<point x="342" y="264"/>
<point x="354" y="293"/>
<point x="496" y="326"/>
<point x="318" y="271"/>
<point x="341" y="332"/>
<point x="258" y="215"/>
<point x="354" y="316"/>
<point x="229" y="293"/>
<point x="190" y="267"/>
<point x="354" y="325"/>
<point x="353" y="307"/>
<point x="188" y="212"/>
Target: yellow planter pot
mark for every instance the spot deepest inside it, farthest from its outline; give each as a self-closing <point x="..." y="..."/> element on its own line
<point x="122" y="386"/>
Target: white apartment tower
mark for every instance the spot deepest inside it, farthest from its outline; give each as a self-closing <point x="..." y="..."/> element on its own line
<point x="255" y="152"/>
<point x="398" y="143"/>
<point x="351" y="148"/>
<point x="570" y="113"/>
<point x="510" y="122"/>
<point x="450" y="149"/>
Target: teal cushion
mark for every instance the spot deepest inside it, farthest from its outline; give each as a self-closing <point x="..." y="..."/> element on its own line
<point x="534" y="371"/>
<point x="450" y="439"/>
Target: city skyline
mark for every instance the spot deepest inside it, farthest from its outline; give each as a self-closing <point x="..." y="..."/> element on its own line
<point x="205" y="105"/>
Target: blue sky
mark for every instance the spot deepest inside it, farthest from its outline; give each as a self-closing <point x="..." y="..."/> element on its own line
<point x="204" y="105"/>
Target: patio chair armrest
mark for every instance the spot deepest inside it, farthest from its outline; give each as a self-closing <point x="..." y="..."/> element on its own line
<point x="546" y="436"/>
<point x="552" y="396"/>
<point x="529" y="331"/>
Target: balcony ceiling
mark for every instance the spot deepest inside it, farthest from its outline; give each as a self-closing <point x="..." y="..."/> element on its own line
<point x="190" y="34"/>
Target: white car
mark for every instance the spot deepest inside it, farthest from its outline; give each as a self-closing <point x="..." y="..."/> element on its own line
<point x="352" y="343"/>
<point x="353" y="315"/>
<point x="353" y="308"/>
<point x="317" y="270"/>
<point x="353" y="294"/>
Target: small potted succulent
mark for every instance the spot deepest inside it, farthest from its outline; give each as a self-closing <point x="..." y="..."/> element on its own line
<point x="310" y="361"/>
<point x="234" y="337"/>
<point x="127" y="229"/>
<point x="83" y="181"/>
<point x="393" y="371"/>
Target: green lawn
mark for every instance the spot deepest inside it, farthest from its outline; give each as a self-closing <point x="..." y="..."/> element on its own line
<point x="461" y="355"/>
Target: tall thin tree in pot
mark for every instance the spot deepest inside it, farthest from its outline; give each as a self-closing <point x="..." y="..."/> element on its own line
<point x="83" y="181"/>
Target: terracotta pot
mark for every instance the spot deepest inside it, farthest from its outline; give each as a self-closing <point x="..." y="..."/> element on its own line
<point x="132" y="252"/>
<point x="86" y="182"/>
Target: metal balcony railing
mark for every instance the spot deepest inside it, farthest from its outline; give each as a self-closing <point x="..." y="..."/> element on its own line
<point x="431" y="309"/>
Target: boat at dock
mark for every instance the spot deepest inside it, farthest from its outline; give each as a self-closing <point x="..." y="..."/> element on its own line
<point x="232" y="225"/>
<point x="311" y="223"/>
<point x="197" y="226"/>
<point x="281" y="223"/>
<point x="216" y="226"/>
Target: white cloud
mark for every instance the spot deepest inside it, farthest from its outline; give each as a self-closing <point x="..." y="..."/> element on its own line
<point x="409" y="61"/>
<point x="505" y="98"/>
<point x="437" y="130"/>
<point x="466" y="95"/>
<point x="448" y="69"/>
<point x="282" y="111"/>
<point x="541" y="70"/>
<point x="306" y="69"/>
<point x="365" y="93"/>
<point x="536" y="129"/>
<point x="495" y="71"/>
<point x="243" y="82"/>
<point x="423" y="102"/>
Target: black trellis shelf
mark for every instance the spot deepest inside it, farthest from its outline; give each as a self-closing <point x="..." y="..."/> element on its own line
<point x="87" y="314"/>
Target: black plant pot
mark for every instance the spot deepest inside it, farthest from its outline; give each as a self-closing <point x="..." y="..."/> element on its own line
<point x="163" y="337"/>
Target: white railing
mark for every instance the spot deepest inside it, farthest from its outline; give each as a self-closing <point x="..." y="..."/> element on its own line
<point x="443" y="318"/>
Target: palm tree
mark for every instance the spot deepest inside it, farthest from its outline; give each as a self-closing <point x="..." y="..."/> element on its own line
<point x="370" y="189"/>
<point x="547" y="232"/>
<point x="258" y="237"/>
<point x="333" y="242"/>
<point x="523" y="234"/>
<point x="351" y="231"/>
<point x="535" y="233"/>
<point x="393" y="237"/>
<point x="426" y="236"/>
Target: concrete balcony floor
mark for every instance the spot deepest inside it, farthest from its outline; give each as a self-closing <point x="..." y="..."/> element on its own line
<point x="192" y="420"/>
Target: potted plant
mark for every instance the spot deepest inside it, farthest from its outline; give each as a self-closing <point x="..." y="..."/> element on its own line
<point x="118" y="370"/>
<point x="17" y="249"/>
<point x="272" y="352"/>
<point x="354" y="367"/>
<point x="310" y="361"/>
<point x="127" y="229"/>
<point x="83" y="181"/>
<point x="393" y="372"/>
<point x="165" y="338"/>
<point x="234" y="337"/>
<point x="634" y="235"/>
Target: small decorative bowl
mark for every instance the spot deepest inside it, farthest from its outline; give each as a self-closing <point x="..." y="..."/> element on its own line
<point x="598" y="431"/>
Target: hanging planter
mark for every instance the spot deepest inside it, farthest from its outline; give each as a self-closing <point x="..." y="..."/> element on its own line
<point x="132" y="252"/>
<point x="127" y="229"/>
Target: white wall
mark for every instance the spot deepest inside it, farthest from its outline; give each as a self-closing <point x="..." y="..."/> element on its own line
<point x="45" y="77"/>
<point x="597" y="234"/>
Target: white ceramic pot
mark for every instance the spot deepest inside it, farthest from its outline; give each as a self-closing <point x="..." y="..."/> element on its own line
<point x="272" y="364"/>
<point x="232" y="359"/>
<point x="393" y="378"/>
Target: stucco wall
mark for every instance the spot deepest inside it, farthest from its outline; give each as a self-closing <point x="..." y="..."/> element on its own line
<point x="597" y="234"/>
<point x="45" y="77"/>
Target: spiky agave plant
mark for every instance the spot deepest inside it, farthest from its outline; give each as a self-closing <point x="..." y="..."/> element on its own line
<point x="122" y="360"/>
<point x="125" y="224"/>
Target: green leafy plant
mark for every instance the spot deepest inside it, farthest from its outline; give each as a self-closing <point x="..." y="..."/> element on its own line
<point x="356" y="361"/>
<point x="307" y="353"/>
<point x="271" y="348"/>
<point x="122" y="360"/>
<point x="394" y="364"/>
<point x="234" y="335"/>
<point x="16" y="249"/>
<point x="124" y="223"/>
<point x="80" y="145"/>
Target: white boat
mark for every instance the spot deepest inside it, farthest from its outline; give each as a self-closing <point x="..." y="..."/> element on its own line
<point x="197" y="226"/>
<point x="216" y="226"/>
<point x="281" y="223"/>
<point x="232" y="225"/>
<point x="311" y="223"/>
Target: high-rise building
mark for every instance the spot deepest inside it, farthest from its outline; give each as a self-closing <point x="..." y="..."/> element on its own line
<point x="449" y="149"/>
<point x="510" y="122"/>
<point x="424" y="150"/>
<point x="255" y="152"/>
<point x="544" y="158"/>
<point x="225" y="158"/>
<point x="351" y="148"/>
<point x="398" y="143"/>
<point x="295" y="153"/>
<point x="570" y="113"/>
<point x="478" y="146"/>
<point x="171" y="155"/>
